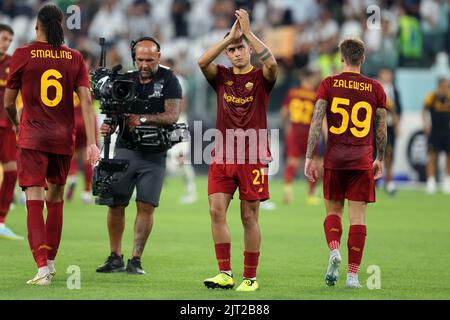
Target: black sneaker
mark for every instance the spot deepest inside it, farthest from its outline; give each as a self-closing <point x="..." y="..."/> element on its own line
<point x="114" y="263"/>
<point x="134" y="266"/>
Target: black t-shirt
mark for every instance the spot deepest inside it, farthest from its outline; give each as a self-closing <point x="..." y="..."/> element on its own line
<point x="164" y="85"/>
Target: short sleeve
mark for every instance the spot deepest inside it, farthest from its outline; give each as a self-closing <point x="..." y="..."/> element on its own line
<point x="218" y="79"/>
<point x="287" y="99"/>
<point x="16" y="69"/>
<point x="381" y="97"/>
<point x="428" y="101"/>
<point x="82" y="79"/>
<point x="173" y="88"/>
<point x="322" y="92"/>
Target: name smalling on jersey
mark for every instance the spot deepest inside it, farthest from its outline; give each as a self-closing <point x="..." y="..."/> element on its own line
<point x="52" y="54"/>
<point x="352" y="84"/>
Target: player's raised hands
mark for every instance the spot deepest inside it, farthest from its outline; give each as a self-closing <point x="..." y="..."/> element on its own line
<point x="377" y="169"/>
<point x="311" y="171"/>
<point x="244" y="20"/>
<point x="236" y="32"/>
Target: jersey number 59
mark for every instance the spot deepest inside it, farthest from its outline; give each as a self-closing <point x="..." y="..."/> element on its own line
<point x="361" y="127"/>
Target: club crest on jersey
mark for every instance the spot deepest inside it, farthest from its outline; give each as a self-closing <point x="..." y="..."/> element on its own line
<point x="249" y="85"/>
<point x="229" y="83"/>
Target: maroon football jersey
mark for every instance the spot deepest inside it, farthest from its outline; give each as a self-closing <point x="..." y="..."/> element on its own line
<point x="300" y="104"/>
<point x="352" y="102"/>
<point x="47" y="77"/>
<point x="4" y="70"/>
<point x="242" y="101"/>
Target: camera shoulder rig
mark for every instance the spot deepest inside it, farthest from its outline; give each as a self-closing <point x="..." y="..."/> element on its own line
<point x="156" y="139"/>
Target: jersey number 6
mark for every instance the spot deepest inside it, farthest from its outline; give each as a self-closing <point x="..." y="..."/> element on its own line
<point x="361" y="127"/>
<point x="46" y="83"/>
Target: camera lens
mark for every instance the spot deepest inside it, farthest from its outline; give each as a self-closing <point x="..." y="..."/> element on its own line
<point x="122" y="90"/>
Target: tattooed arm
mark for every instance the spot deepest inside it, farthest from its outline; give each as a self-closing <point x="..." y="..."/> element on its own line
<point x="316" y="127"/>
<point x="270" y="67"/>
<point x="381" y="134"/>
<point x="311" y="171"/>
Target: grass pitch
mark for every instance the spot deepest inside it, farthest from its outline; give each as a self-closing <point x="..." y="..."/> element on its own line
<point x="408" y="239"/>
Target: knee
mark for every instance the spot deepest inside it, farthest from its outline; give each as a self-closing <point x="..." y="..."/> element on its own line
<point x="249" y="218"/>
<point x="217" y="214"/>
<point x="145" y="208"/>
<point x="117" y="210"/>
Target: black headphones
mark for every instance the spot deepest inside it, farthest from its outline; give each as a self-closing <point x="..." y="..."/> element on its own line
<point x="135" y="42"/>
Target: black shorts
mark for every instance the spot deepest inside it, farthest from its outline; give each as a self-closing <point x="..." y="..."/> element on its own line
<point x="390" y="137"/>
<point x="439" y="141"/>
<point x="145" y="172"/>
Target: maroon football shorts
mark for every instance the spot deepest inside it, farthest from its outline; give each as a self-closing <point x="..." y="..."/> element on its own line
<point x="35" y="168"/>
<point x="355" y="185"/>
<point x="252" y="180"/>
<point x="7" y="145"/>
<point x="297" y="142"/>
<point x="80" y="137"/>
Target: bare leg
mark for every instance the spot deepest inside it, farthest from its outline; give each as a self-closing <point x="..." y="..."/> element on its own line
<point x="142" y="227"/>
<point x="431" y="172"/>
<point x="218" y="205"/>
<point x="249" y="217"/>
<point x="116" y="226"/>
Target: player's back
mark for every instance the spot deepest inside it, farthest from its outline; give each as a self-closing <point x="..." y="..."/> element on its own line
<point x="300" y="104"/>
<point x="352" y="103"/>
<point x="47" y="77"/>
<point x="4" y="70"/>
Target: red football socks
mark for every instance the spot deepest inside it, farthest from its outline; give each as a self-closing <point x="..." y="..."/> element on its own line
<point x="333" y="231"/>
<point x="36" y="231"/>
<point x="311" y="187"/>
<point x="87" y="176"/>
<point x="53" y="227"/>
<point x="355" y="244"/>
<point x="223" y="256"/>
<point x="250" y="264"/>
<point x="289" y="173"/>
<point x="7" y="193"/>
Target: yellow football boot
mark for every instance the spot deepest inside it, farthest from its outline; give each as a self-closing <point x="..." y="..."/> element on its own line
<point x="248" y="285"/>
<point x="222" y="280"/>
<point x="313" y="200"/>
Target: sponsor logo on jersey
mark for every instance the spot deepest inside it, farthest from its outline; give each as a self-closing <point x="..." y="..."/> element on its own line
<point x="237" y="100"/>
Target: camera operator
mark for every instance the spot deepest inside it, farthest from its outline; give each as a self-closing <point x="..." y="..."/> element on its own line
<point x="160" y="87"/>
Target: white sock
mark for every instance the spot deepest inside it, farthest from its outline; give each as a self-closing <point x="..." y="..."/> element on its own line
<point x="253" y="279"/>
<point x="42" y="271"/>
<point x="51" y="265"/>
<point x="228" y="272"/>
<point x="189" y="176"/>
<point x="2" y="225"/>
<point x="72" y="179"/>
